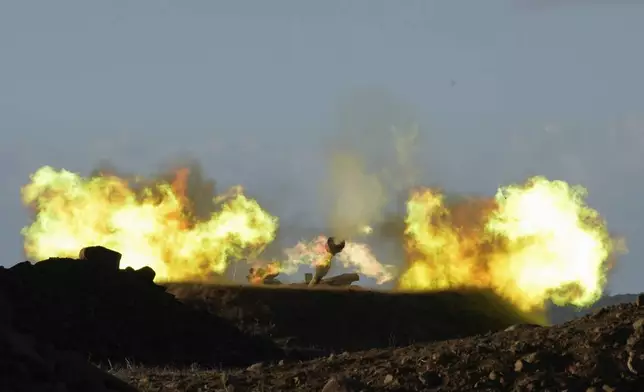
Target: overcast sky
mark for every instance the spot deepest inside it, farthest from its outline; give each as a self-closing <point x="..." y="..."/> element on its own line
<point x="255" y="89"/>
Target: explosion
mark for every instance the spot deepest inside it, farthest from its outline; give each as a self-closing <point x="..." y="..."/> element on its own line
<point x="532" y="243"/>
<point x="356" y="255"/>
<point x="259" y="274"/>
<point x="152" y="225"/>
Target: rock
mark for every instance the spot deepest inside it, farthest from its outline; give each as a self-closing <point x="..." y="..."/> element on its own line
<point x="531" y="358"/>
<point x="335" y="385"/>
<point x="518" y="366"/>
<point x="517" y="347"/>
<point x="146" y="273"/>
<point x="430" y="379"/>
<point x="107" y="258"/>
<point x="255" y="367"/>
<point x="633" y="340"/>
<point x="635" y="363"/>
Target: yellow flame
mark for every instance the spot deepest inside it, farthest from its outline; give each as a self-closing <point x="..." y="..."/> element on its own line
<point x="533" y="243"/>
<point x="150" y="227"/>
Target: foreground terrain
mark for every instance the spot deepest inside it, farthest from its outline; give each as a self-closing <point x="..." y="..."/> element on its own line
<point x="85" y="325"/>
<point x="338" y="319"/>
<point x="599" y="352"/>
<point x="562" y="314"/>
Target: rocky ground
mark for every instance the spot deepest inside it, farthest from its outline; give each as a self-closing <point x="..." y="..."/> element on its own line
<point x="562" y="314"/>
<point x="27" y="365"/>
<point x="60" y="315"/>
<point x="107" y="314"/>
<point x="599" y="352"/>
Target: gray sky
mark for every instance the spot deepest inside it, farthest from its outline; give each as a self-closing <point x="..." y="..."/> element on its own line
<point x="256" y="89"/>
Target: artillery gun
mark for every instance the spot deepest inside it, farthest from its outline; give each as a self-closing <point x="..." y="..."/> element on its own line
<point x="269" y="275"/>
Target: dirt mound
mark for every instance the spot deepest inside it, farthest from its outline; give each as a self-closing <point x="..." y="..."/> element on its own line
<point x="599" y="352"/>
<point x="107" y="314"/>
<point x="339" y="319"/>
<point x="562" y="314"/>
<point x="27" y="365"/>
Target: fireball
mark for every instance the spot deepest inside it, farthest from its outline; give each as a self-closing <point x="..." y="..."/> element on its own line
<point x="150" y="225"/>
<point x="532" y="243"/>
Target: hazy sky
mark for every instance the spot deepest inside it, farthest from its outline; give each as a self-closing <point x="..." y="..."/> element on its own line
<point x="256" y="89"/>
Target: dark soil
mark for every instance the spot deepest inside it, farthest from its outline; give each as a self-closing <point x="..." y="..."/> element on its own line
<point x="67" y="312"/>
<point x="340" y="319"/>
<point x="600" y="352"/>
<point x="107" y="314"/>
<point x="27" y="365"/>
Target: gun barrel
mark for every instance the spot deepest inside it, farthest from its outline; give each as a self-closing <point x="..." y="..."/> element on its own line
<point x="335" y="247"/>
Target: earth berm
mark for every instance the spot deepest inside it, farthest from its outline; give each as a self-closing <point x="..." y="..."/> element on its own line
<point x="61" y="315"/>
<point x="602" y="352"/>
